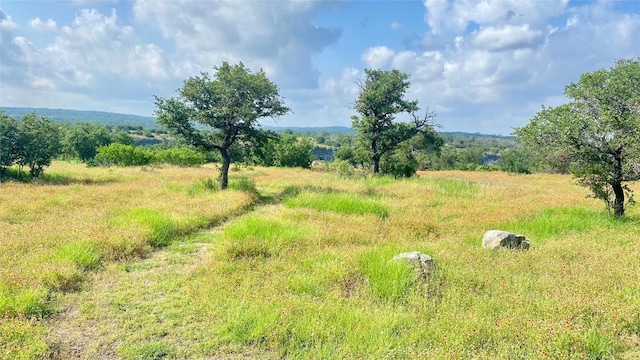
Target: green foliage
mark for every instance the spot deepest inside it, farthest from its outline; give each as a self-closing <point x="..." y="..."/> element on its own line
<point x="122" y="155"/>
<point x="230" y="104"/>
<point x="36" y="144"/>
<point x="597" y="135"/>
<point x="283" y="150"/>
<point x="8" y="143"/>
<point x="122" y="137"/>
<point x="554" y="222"/>
<point x="180" y="156"/>
<point x="344" y="169"/>
<point x="291" y="151"/>
<point x="515" y="160"/>
<point x="83" y="140"/>
<point x="381" y="98"/>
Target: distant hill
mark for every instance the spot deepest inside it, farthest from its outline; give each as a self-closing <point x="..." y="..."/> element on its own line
<point x="76" y="116"/>
<point x="148" y="122"/>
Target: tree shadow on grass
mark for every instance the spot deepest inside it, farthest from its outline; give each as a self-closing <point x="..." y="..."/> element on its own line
<point x="15" y="175"/>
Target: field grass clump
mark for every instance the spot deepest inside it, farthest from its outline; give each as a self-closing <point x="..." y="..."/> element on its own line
<point x="30" y="303"/>
<point x="163" y="229"/>
<point x="389" y="280"/>
<point x="349" y="204"/>
<point x="86" y="255"/>
<point x="555" y="222"/>
<point x="254" y="237"/>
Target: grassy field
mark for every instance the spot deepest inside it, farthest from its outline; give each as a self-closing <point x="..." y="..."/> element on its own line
<point x="151" y="263"/>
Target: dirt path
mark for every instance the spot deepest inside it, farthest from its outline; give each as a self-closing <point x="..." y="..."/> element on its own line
<point x="127" y="302"/>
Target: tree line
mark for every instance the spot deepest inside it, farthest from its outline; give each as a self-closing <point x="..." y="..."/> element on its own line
<point x="595" y="137"/>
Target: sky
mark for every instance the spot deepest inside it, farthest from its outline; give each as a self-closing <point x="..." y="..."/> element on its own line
<point x="482" y="66"/>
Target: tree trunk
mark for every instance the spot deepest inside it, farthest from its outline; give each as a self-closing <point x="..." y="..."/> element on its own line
<point x="618" y="204"/>
<point x="376" y="164"/>
<point x="224" y="172"/>
<point x="616" y="185"/>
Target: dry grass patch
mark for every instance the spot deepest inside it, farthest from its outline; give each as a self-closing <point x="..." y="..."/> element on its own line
<point x="54" y="231"/>
<point x="309" y="281"/>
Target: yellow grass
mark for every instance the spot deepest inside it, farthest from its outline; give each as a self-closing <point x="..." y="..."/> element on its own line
<point x="298" y="282"/>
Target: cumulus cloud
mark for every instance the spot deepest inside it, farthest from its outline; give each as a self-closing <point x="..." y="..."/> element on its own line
<point x="279" y="37"/>
<point x="492" y="60"/>
<point x="94" y="53"/>
<point x="378" y="57"/>
<point x="38" y="24"/>
<point x="506" y="37"/>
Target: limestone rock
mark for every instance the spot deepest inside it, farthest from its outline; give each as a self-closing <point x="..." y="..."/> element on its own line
<point x="423" y="262"/>
<point x="494" y="239"/>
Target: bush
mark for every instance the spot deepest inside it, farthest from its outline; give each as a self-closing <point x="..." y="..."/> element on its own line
<point x="181" y="156"/>
<point x="122" y="155"/>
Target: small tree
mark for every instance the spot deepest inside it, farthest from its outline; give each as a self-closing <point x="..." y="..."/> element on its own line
<point x="230" y="104"/>
<point x="83" y="140"/>
<point x="597" y="134"/>
<point x="291" y="151"/>
<point x="38" y="142"/>
<point x="381" y="98"/>
<point x="8" y="141"/>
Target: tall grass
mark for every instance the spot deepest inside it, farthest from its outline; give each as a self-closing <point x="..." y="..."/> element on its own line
<point x="309" y="272"/>
<point x="341" y="203"/>
<point x="78" y="218"/>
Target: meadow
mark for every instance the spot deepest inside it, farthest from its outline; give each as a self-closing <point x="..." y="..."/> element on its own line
<point x="153" y="263"/>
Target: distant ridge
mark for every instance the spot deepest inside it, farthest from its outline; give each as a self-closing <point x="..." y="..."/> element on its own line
<point x="148" y="122"/>
<point x="76" y="116"/>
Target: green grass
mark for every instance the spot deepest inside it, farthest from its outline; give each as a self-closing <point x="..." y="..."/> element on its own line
<point x="349" y="204"/>
<point x="387" y="279"/>
<point x="308" y="271"/>
<point x="452" y="187"/>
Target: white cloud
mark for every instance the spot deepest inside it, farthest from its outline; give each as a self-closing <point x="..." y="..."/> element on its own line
<point x="6" y="24"/>
<point x="278" y="37"/>
<point x="378" y="57"/>
<point x="38" y="24"/>
<point x="506" y="37"/>
<point x="395" y="25"/>
<point x="444" y="16"/>
<point x="491" y="60"/>
<point x="39" y="82"/>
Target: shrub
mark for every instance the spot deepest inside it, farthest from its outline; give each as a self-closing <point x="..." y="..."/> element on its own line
<point x="122" y="155"/>
<point x="181" y="156"/>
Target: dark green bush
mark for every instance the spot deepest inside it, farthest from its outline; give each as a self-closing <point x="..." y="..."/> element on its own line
<point x="122" y="155"/>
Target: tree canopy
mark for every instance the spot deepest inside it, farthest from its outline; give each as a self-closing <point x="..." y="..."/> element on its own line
<point x="228" y="105"/>
<point x="381" y="99"/>
<point x="597" y="134"/>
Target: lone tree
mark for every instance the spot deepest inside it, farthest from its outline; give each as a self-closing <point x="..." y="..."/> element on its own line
<point x="597" y="134"/>
<point x="381" y="98"/>
<point x="37" y="143"/>
<point x="230" y="104"/>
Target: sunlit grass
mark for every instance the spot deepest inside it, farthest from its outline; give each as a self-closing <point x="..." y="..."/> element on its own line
<point x="308" y="273"/>
<point x="74" y="219"/>
<point x="340" y="203"/>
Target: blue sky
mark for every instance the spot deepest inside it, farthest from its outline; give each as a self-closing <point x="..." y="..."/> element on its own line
<point x="482" y="66"/>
